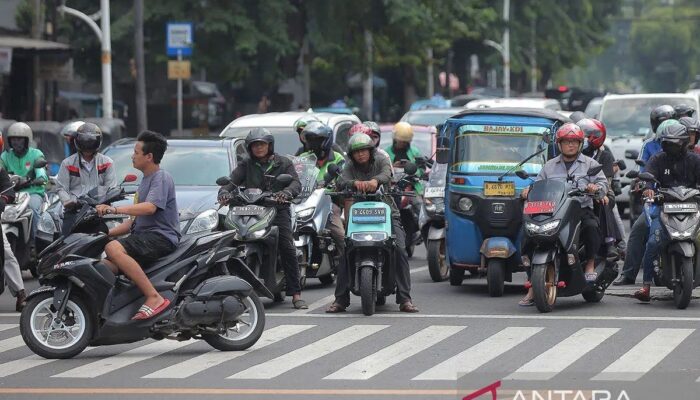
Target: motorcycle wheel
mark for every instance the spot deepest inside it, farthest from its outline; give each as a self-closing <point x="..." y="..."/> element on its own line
<point x="36" y="325"/>
<point x="437" y="263"/>
<point x="248" y="329"/>
<point x="327" y="279"/>
<point x="456" y="276"/>
<point x="683" y="290"/>
<point x="544" y="288"/>
<point x="381" y="300"/>
<point x="495" y="276"/>
<point x="368" y="290"/>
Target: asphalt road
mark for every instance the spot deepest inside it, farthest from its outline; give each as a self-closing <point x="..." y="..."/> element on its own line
<point x="461" y="341"/>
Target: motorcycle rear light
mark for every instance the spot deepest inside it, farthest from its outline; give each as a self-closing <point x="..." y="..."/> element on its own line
<point x="561" y="284"/>
<point x="528" y="285"/>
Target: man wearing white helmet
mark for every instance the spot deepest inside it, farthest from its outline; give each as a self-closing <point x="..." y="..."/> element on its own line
<point x="19" y="160"/>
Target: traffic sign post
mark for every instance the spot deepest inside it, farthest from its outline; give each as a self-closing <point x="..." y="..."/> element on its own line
<point x="179" y="40"/>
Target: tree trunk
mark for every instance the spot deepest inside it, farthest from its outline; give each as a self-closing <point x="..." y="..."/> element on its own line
<point x="367" y="87"/>
<point x="409" y="86"/>
<point x="141" y="113"/>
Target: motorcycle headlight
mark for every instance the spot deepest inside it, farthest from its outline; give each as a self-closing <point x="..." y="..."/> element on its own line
<point x="205" y="221"/>
<point x="46" y="224"/>
<point x="543" y="229"/>
<point x="10" y="213"/>
<point x="369" y="236"/>
<point x="303" y="215"/>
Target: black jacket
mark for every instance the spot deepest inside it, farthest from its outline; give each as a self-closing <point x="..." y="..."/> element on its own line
<point x="683" y="172"/>
<point x="251" y="174"/>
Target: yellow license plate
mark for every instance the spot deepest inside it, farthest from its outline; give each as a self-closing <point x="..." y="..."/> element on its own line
<point x="499" y="189"/>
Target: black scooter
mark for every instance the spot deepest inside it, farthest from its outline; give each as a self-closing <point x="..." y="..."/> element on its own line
<point x="552" y="220"/>
<point x="81" y="302"/>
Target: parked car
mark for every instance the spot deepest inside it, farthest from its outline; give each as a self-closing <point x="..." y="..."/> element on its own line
<point x="593" y="107"/>
<point x="430" y="117"/>
<point x="549" y="104"/>
<point x="281" y="125"/>
<point x="626" y="118"/>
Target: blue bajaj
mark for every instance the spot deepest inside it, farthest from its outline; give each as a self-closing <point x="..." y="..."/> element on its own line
<point x="483" y="208"/>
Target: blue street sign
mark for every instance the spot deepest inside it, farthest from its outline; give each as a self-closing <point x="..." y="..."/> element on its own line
<point x="179" y="38"/>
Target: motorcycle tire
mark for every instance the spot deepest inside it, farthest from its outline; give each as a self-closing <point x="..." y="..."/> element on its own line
<point x="437" y="261"/>
<point x="683" y="290"/>
<point x="368" y="290"/>
<point x="2" y="282"/>
<point x="456" y="276"/>
<point x="76" y="307"/>
<point x="327" y="279"/>
<point x="495" y="276"/>
<point x="381" y="300"/>
<point x="544" y="289"/>
<point x="236" y="343"/>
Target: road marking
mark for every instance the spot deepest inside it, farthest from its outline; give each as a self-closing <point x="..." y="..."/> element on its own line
<point x="389" y="356"/>
<point x="644" y="356"/>
<point x="494" y="316"/>
<point x="474" y="357"/>
<point x="9" y="314"/>
<point x="306" y="354"/>
<point x="5" y="327"/>
<point x="563" y="354"/>
<point x="202" y="362"/>
<point x="11" y="343"/>
<point x="125" y="359"/>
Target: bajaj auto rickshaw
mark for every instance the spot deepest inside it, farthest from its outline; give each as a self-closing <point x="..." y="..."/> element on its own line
<point x="483" y="208"/>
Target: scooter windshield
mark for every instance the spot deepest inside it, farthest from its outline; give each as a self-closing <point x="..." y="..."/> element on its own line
<point x="545" y="196"/>
<point x="307" y="170"/>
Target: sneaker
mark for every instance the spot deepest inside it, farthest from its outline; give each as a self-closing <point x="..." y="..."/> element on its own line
<point x="643" y="294"/>
<point x="622" y="280"/>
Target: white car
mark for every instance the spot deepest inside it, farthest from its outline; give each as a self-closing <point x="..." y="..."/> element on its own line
<point x="281" y="125"/>
<point x="626" y="118"/>
<point x="549" y="104"/>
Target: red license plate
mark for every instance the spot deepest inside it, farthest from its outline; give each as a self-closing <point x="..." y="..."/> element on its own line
<point x="539" y="207"/>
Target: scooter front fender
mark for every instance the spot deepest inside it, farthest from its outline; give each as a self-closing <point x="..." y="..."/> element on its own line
<point x="435" y="233"/>
<point x="685" y="249"/>
<point x="543" y="256"/>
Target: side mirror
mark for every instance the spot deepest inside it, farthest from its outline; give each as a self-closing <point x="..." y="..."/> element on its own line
<point x="595" y="170"/>
<point x="621" y="164"/>
<point x="633" y="174"/>
<point x="631" y="154"/>
<point x="129" y="178"/>
<point x="40" y="163"/>
<point x="646" y="176"/>
<point x="410" y="168"/>
<point x="522" y="174"/>
<point x="331" y="173"/>
<point x="223" y="181"/>
<point x="442" y="154"/>
<point x="283" y="180"/>
<point x="546" y="138"/>
<point x="640" y="163"/>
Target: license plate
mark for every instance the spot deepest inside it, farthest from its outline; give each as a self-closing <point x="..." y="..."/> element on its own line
<point x="499" y="189"/>
<point x="368" y="215"/>
<point x="247" y="210"/>
<point x="538" y="207"/>
<point x="671" y="208"/>
<point x="433" y="192"/>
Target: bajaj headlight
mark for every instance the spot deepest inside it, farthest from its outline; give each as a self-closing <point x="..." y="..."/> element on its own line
<point x="205" y="221"/>
<point x="544" y="229"/>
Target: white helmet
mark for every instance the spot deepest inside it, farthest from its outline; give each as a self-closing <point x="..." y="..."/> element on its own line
<point x="20" y="129"/>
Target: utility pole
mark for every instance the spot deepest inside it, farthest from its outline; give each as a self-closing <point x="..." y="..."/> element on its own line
<point x="504" y="48"/>
<point x="141" y="102"/>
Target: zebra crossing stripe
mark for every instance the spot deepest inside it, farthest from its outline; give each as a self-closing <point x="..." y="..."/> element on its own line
<point x="644" y="356"/>
<point x="11" y="343"/>
<point x="389" y="356"/>
<point x="563" y="354"/>
<point x="5" y="327"/>
<point x="474" y="357"/>
<point x="211" y="359"/>
<point x="306" y="354"/>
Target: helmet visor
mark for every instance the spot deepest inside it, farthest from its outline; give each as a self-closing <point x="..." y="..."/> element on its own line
<point x="87" y="142"/>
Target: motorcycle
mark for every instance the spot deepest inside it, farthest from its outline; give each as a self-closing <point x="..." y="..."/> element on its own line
<point x="310" y="213"/>
<point x="369" y="243"/>
<point x="432" y="223"/>
<point x="249" y="218"/>
<point x="409" y="205"/>
<point x="81" y="302"/>
<point x="552" y="219"/>
<point x="678" y="262"/>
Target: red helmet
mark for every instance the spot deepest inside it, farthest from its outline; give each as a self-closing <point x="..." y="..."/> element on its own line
<point x="570" y="131"/>
<point x="359" y="128"/>
<point x="593" y="130"/>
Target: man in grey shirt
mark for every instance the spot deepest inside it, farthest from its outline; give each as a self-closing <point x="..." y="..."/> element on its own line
<point x="155" y="232"/>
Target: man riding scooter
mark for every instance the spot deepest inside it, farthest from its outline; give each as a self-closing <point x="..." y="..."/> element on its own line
<point x="253" y="172"/>
<point x="19" y="160"/>
<point x="82" y="172"/>
<point x="366" y="173"/>
<point x="371" y="129"/>
<point x="571" y="162"/>
<point x="673" y="166"/>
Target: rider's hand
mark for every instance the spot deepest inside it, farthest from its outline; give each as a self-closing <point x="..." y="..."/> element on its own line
<point x="605" y="200"/>
<point x="224" y="197"/>
<point x="360" y="186"/>
<point x="103" y="209"/>
<point x="525" y="192"/>
<point x="371" y="186"/>
<point x="648" y="193"/>
<point x="282" y="197"/>
<point x="69" y="204"/>
<point x="592" y="188"/>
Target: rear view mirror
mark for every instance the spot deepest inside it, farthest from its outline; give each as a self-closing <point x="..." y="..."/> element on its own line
<point x="640" y="163"/>
<point x="129" y="178"/>
<point x="410" y="168"/>
<point x="522" y="174"/>
<point x="621" y="164"/>
<point x="595" y="170"/>
<point x="631" y="154"/>
<point x="40" y="163"/>
<point x="633" y="174"/>
<point x="223" y="181"/>
<point x="646" y="176"/>
<point x="283" y="180"/>
<point x="331" y="173"/>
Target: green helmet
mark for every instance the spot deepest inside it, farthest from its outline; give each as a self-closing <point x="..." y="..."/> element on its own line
<point x="360" y="141"/>
<point x="663" y="125"/>
<point x="301" y="123"/>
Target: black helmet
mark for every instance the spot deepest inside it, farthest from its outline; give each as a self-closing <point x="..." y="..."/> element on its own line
<point x="674" y="140"/>
<point x="318" y="136"/>
<point x="259" y="135"/>
<point x="577" y="116"/>
<point x="683" y="110"/>
<point x="88" y="137"/>
<point x="692" y="125"/>
<point x="660" y="114"/>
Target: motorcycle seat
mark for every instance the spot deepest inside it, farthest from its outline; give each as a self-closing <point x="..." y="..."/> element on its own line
<point x="186" y="243"/>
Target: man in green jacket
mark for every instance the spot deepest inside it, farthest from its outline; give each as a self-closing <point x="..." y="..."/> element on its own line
<point x="19" y="160"/>
<point x="401" y="149"/>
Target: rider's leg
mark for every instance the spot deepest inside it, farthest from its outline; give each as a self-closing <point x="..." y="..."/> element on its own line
<point x="342" y="288"/>
<point x="590" y="236"/>
<point x="13" y="275"/>
<point x="403" y="273"/>
<point x="651" y="251"/>
<point x="35" y="203"/>
<point x="288" y="253"/>
<point x="635" y="248"/>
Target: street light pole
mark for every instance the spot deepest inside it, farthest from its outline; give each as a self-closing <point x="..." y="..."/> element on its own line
<point x="504" y="48"/>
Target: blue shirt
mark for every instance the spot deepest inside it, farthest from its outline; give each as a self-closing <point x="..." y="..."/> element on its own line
<point x="649" y="149"/>
<point x="159" y="190"/>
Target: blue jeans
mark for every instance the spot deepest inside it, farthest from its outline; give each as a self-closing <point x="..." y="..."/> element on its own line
<point x="635" y="247"/>
<point x="654" y="242"/>
<point x="35" y="203"/>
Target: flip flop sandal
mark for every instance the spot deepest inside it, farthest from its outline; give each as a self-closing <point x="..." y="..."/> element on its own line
<point x="300" y="304"/>
<point x="146" y="312"/>
<point x="335" y="308"/>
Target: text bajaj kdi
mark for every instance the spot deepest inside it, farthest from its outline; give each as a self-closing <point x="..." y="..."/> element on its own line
<point x="484" y="210"/>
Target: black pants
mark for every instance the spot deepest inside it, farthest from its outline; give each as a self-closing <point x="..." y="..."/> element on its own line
<point x="403" y="274"/>
<point x="287" y="251"/>
<point x="590" y="233"/>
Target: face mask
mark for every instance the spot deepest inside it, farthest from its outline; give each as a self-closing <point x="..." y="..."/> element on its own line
<point x="18" y="145"/>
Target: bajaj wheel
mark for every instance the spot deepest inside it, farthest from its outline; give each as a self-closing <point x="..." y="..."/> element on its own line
<point x="544" y="287"/>
<point x="683" y="290"/>
<point x="437" y="263"/>
<point x="495" y="276"/>
<point x="456" y="276"/>
<point x="245" y="331"/>
<point x="50" y="339"/>
<point x="368" y="290"/>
